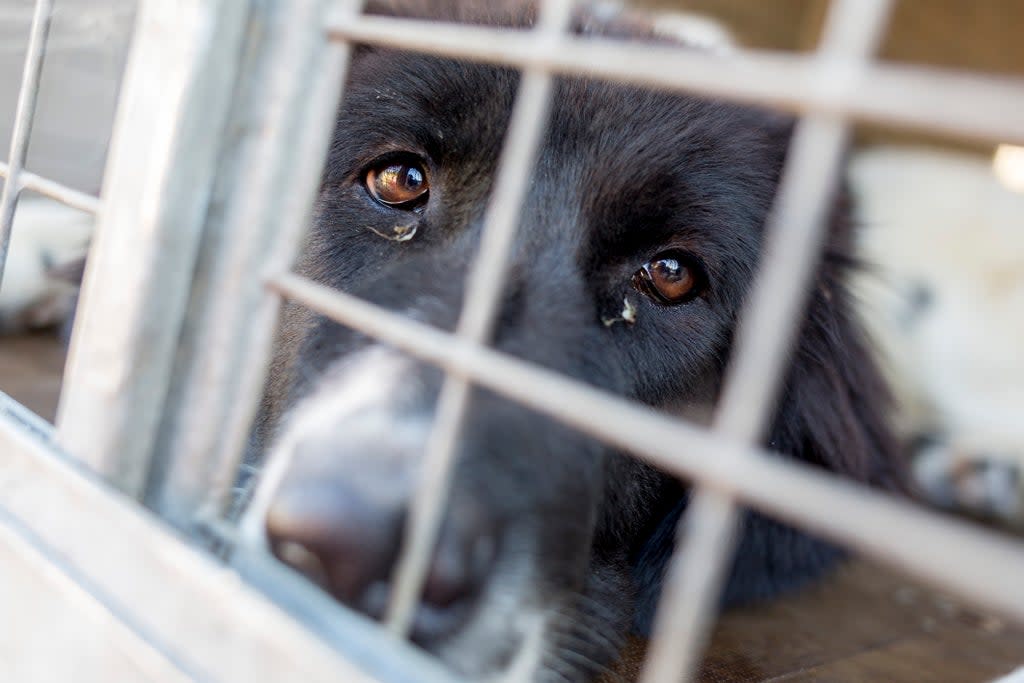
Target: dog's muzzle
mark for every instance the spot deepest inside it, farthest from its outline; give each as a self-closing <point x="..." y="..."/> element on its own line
<point x="334" y="499"/>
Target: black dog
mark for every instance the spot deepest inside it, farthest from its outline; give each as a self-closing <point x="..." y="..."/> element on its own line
<point x="553" y="546"/>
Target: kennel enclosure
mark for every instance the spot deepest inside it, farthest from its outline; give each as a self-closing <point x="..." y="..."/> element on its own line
<point x="224" y="120"/>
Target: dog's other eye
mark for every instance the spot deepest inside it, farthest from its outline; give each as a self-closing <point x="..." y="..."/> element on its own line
<point x="671" y="278"/>
<point x="400" y="184"/>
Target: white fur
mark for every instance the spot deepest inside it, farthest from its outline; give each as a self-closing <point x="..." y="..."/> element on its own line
<point x="696" y="31"/>
<point x="1012" y="677"/>
<point x="942" y="221"/>
<point x="362" y="391"/>
<point x="45" y="234"/>
<point x="526" y="663"/>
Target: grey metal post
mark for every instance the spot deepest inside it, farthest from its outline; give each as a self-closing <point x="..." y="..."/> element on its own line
<point x="160" y="172"/>
<point x="283" y="116"/>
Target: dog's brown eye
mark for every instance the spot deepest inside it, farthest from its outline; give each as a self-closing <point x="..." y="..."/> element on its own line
<point x="398" y="184"/>
<point x="670" y="278"/>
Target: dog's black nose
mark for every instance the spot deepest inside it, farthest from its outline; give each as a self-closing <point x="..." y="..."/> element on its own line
<point x="335" y="535"/>
<point x="347" y="540"/>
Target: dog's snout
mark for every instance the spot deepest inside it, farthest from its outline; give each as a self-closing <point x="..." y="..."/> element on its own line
<point x="335" y="534"/>
<point x="347" y="539"/>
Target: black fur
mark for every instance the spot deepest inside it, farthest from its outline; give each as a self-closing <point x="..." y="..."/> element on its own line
<point x="623" y="175"/>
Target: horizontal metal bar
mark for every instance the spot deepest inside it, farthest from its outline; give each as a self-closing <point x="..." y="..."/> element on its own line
<point x="54" y="190"/>
<point x="948" y="102"/>
<point x="191" y="613"/>
<point x="895" y="531"/>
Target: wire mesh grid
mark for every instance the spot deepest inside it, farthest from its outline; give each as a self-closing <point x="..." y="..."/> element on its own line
<point x="830" y="88"/>
<point x="831" y="79"/>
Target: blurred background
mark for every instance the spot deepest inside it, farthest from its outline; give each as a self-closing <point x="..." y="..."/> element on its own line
<point x="942" y="292"/>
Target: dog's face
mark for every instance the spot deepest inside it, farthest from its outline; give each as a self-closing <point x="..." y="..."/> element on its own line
<point x="637" y="243"/>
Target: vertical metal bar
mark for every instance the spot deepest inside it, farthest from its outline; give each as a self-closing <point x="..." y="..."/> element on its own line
<point x="23" y="116"/>
<point x="169" y="131"/>
<point x="255" y="362"/>
<point x="284" y="117"/>
<point x="711" y="526"/>
<point x="769" y="325"/>
<point x="483" y="292"/>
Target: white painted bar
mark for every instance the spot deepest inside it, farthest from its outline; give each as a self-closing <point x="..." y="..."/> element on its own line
<point x="897" y="532"/>
<point x="28" y="93"/>
<point x="956" y="103"/>
<point x="282" y="120"/>
<point x="50" y="613"/>
<point x="769" y="323"/>
<point x="54" y="190"/>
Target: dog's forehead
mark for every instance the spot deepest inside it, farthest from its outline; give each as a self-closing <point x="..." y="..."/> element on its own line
<point x="452" y="109"/>
<point x="438" y="105"/>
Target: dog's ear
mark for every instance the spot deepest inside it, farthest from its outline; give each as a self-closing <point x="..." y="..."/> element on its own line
<point x="833" y="411"/>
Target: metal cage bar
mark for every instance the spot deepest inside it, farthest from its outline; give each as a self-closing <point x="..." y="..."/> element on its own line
<point x="913" y="539"/>
<point x="175" y="428"/>
<point x="281" y="122"/>
<point x="770" y="320"/>
<point x="154" y="609"/>
<point x="485" y="285"/>
<point x="54" y="190"/>
<point x="948" y="102"/>
<point x="160" y="172"/>
<point x="27" y="95"/>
